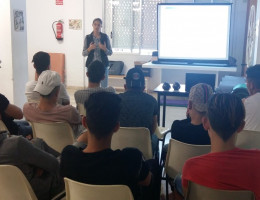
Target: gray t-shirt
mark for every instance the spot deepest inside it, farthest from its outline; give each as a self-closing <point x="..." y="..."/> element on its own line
<point x="138" y="109"/>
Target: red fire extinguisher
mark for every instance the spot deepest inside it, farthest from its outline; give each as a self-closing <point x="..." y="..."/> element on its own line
<point x="59" y="29"/>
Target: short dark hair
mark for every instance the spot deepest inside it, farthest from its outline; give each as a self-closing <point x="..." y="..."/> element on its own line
<point x="41" y="61"/>
<point x="253" y="74"/>
<point x="226" y="113"/>
<point x="97" y="19"/>
<point x="102" y="113"/>
<point x="96" y="71"/>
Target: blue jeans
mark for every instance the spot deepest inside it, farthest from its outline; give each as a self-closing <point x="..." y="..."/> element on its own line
<point x="104" y="83"/>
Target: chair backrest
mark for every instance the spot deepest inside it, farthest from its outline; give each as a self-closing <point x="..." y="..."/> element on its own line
<point x="58" y="64"/>
<point x="248" y="139"/>
<point x="199" y="192"/>
<point x="82" y="191"/>
<point x="178" y="153"/>
<point x="14" y="185"/>
<point x="2" y="126"/>
<point x="81" y="109"/>
<point x="56" y="134"/>
<point x="137" y="137"/>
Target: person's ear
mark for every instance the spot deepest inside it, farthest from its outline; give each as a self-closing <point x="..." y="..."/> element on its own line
<point x="241" y="127"/>
<point x="205" y="123"/>
<point x="116" y="127"/>
<point x="87" y="74"/>
<point x="84" y="123"/>
<point x="189" y="105"/>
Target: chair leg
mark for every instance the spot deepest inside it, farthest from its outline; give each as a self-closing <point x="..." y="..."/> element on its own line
<point x="166" y="187"/>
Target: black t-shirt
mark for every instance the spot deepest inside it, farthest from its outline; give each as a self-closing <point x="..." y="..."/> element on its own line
<point x="184" y="131"/>
<point x="138" y="109"/>
<point x="106" y="167"/>
<point x="8" y="121"/>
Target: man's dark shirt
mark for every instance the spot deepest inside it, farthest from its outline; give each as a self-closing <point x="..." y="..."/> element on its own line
<point x="138" y="109"/>
<point x="8" y="121"/>
<point x="184" y="131"/>
<point x="106" y="167"/>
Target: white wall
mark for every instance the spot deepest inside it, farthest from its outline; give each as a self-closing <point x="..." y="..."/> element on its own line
<point x="41" y="15"/>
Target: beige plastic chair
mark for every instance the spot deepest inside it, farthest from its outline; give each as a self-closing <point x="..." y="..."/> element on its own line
<point x="199" y="192"/>
<point x="56" y="134"/>
<point x="248" y="139"/>
<point x="2" y="126"/>
<point x="82" y="191"/>
<point x="178" y="153"/>
<point x="81" y="109"/>
<point x="137" y="137"/>
<point x="14" y="185"/>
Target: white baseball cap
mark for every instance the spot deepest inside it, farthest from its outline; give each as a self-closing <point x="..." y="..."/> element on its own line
<point x="47" y="81"/>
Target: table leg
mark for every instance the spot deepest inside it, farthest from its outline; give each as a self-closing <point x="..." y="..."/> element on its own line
<point x="159" y="103"/>
<point x="164" y="110"/>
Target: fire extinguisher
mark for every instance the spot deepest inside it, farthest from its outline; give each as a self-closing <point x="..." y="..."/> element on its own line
<point x="59" y="29"/>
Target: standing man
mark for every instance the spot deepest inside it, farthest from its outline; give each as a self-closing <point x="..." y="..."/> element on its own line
<point x="97" y="47"/>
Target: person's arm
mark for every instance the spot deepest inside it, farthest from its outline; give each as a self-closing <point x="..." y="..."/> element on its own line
<point x="146" y="181"/>
<point x="36" y="157"/>
<point x="14" y="111"/>
<point x="85" y="48"/>
<point x="109" y="48"/>
<point x="155" y="125"/>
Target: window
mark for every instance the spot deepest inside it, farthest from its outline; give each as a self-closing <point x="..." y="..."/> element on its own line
<point x="132" y="25"/>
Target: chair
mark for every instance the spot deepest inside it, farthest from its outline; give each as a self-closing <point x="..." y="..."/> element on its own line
<point x="14" y="185"/>
<point x="2" y="126"/>
<point x="81" y="109"/>
<point x="178" y="153"/>
<point x="56" y="134"/>
<point x="82" y="191"/>
<point x="248" y="139"/>
<point x="199" y="192"/>
<point x="137" y="137"/>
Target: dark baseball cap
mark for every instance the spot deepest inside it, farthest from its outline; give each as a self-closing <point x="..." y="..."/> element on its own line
<point x="135" y="78"/>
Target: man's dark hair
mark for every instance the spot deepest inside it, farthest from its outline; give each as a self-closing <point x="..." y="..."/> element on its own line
<point x="97" y="19"/>
<point x="226" y="113"/>
<point x="41" y="61"/>
<point x="102" y="113"/>
<point x="253" y="74"/>
<point x="96" y="72"/>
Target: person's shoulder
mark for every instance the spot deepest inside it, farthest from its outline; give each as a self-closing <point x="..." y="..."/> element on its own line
<point x="3" y="98"/>
<point x="70" y="149"/>
<point x="183" y="122"/>
<point x="132" y="154"/>
<point x="29" y="105"/>
<point x="110" y="89"/>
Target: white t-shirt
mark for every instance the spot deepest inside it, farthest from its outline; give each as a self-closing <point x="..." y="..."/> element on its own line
<point x="252" y="106"/>
<point x="34" y="97"/>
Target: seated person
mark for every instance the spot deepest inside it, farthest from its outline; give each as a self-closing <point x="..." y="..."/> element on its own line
<point x="95" y="74"/>
<point x="226" y="167"/>
<point x="191" y="130"/>
<point x="252" y="103"/>
<point x="9" y="112"/>
<point x="139" y="109"/>
<point x="48" y="110"/>
<point x="98" y="163"/>
<point x="36" y="160"/>
<point x="41" y="62"/>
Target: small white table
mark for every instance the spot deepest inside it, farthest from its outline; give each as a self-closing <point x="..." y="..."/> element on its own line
<point x="157" y="70"/>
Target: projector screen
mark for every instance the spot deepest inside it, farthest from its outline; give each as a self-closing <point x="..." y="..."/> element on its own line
<point x="194" y="32"/>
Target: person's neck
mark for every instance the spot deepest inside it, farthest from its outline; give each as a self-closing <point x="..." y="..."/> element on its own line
<point x="218" y="145"/>
<point x="47" y="104"/>
<point x="93" y="85"/>
<point x="96" y="145"/>
<point x="36" y="76"/>
<point x="196" y="119"/>
<point x="96" y="34"/>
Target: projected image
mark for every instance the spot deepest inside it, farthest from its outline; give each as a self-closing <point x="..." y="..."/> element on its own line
<point x="193" y="32"/>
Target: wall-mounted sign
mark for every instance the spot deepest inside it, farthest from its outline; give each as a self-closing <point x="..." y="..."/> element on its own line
<point x="18" y="21"/>
<point x="75" y="24"/>
<point x="59" y="2"/>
